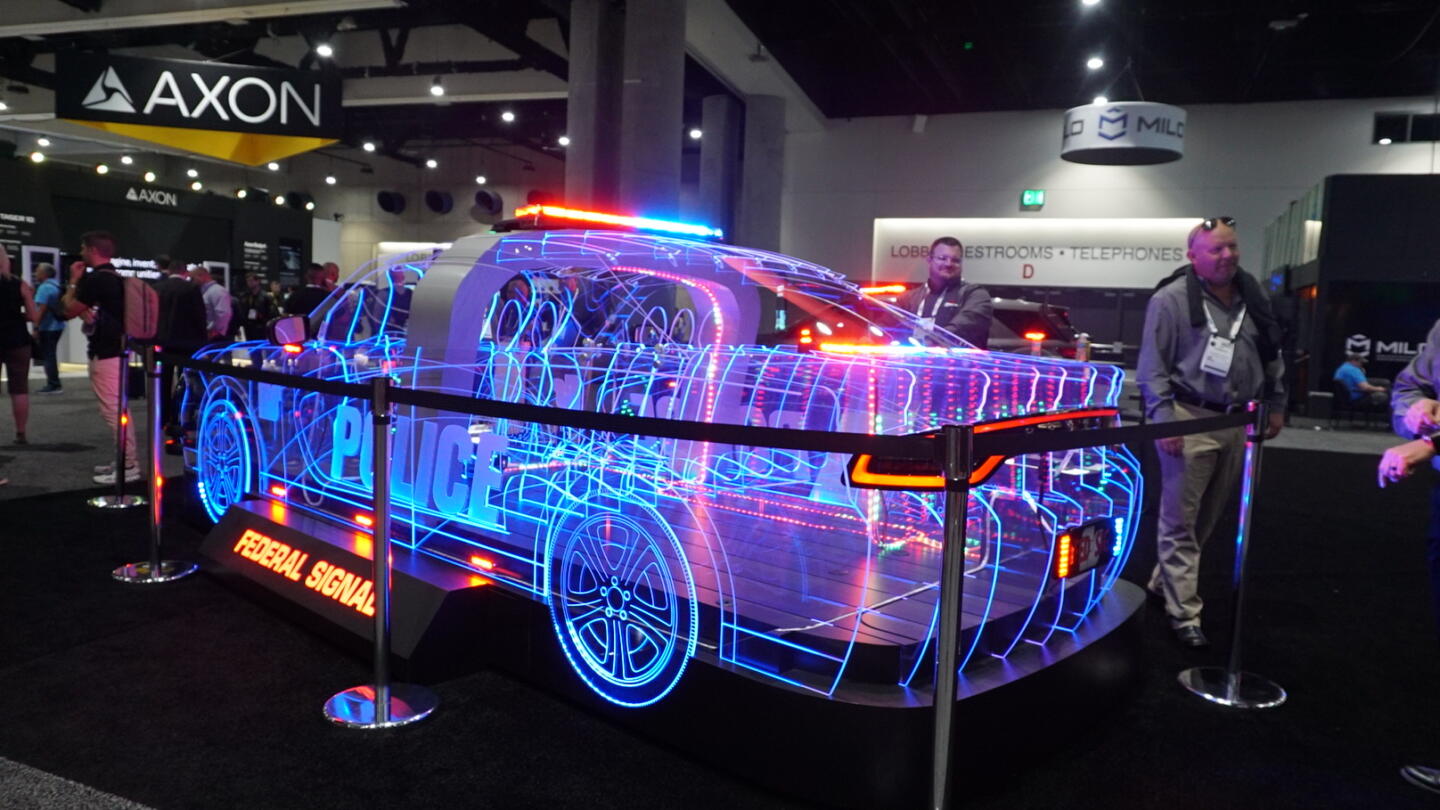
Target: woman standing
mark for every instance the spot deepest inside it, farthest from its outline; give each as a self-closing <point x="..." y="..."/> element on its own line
<point x="17" y="313"/>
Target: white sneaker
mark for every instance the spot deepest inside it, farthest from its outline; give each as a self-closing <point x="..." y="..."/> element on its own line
<point x="103" y="469"/>
<point x="132" y="474"/>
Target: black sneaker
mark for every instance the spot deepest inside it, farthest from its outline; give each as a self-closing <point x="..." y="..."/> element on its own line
<point x="51" y="389"/>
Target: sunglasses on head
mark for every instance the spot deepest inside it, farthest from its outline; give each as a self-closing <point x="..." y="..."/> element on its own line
<point x="1212" y="223"/>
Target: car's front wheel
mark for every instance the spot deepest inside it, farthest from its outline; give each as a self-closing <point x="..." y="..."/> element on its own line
<point x="227" y="457"/>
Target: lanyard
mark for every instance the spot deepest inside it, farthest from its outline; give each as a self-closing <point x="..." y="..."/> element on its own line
<point x="939" y="301"/>
<point x="1234" y="326"/>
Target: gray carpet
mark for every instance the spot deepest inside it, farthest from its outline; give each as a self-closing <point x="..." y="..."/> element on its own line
<point x="24" y="788"/>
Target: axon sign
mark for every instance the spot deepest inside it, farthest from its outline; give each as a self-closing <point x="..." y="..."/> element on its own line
<point x="198" y="95"/>
<point x="153" y="196"/>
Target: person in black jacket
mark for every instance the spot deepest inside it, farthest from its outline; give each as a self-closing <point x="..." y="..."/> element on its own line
<point x="304" y="300"/>
<point x="946" y="301"/>
<point x="180" y="330"/>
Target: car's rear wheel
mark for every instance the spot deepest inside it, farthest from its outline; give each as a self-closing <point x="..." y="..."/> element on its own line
<point x="622" y="598"/>
<point x="228" y="461"/>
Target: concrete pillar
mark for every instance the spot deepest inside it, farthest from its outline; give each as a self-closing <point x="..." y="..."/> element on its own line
<point x="652" y="107"/>
<point x="592" y="160"/>
<point x="762" y="174"/>
<point x="719" y="160"/>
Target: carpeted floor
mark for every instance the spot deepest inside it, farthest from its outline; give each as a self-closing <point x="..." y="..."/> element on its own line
<point x="188" y="695"/>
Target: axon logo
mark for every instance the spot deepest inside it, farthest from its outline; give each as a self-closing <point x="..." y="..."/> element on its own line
<point x="153" y="196"/>
<point x="251" y="99"/>
<point x="108" y="94"/>
<point x="1357" y="344"/>
<point x="1113" y="126"/>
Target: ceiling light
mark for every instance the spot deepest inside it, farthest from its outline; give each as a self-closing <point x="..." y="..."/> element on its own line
<point x="329" y="179"/>
<point x="324" y="50"/>
<point x="508" y="117"/>
<point x="310" y="206"/>
<point x="150" y="177"/>
<point x="127" y="160"/>
<point x="191" y="173"/>
<point x="42" y="141"/>
<point x="436" y="88"/>
<point x="479" y="179"/>
<point x="279" y="199"/>
<point x="1089" y="2"/>
<point x="1095" y="63"/>
<point x="241" y="193"/>
<point x="3" y="106"/>
<point x="273" y="166"/>
<point x="102" y="169"/>
<point x="695" y="134"/>
<point x="432" y="163"/>
<point x="1100" y="100"/>
<point x="196" y="186"/>
<point x="1384" y="141"/>
<point x="563" y="140"/>
<point x="37" y="157"/>
<point x="368" y="146"/>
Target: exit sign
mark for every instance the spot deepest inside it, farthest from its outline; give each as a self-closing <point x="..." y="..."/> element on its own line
<point x="1032" y="199"/>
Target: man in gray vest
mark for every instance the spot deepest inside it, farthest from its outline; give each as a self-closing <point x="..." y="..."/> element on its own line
<point x="946" y="301"/>
<point x="1210" y="345"/>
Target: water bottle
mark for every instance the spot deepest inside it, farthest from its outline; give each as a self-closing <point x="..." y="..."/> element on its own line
<point x="1082" y="347"/>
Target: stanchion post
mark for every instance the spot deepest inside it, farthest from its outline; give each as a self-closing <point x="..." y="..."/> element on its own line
<point x="959" y="447"/>
<point x="122" y="424"/>
<point x="381" y="704"/>
<point x="1231" y="686"/>
<point x="155" y="570"/>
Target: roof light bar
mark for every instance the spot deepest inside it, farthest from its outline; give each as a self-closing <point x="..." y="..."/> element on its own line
<point x="643" y="223"/>
<point x="884" y="289"/>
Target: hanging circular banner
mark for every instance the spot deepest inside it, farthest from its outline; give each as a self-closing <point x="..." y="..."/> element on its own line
<point x="1123" y="133"/>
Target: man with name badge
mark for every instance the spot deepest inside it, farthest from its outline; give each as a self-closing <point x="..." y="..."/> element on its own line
<point x="1210" y="345"/>
<point x="948" y="302"/>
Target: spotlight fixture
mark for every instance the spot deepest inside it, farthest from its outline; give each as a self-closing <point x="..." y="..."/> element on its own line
<point x="329" y="179"/>
<point x="102" y="169"/>
<point x="1100" y="100"/>
<point x="368" y="146"/>
<point x="1095" y="63"/>
<point x="1089" y="2"/>
<point x="310" y="205"/>
<point x="37" y="157"/>
<point x="432" y="163"/>
<point x="279" y="199"/>
<point x="1384" y="141"/>
<point x="241" y="193"/>
<point x="127" y="160"/>
<point x="695" y="134"/>
<point x="150" y="177"/>
<point x="42" y="142"/>
<point x="3" y="106"/>
<point x="273" y="166"/>
<point x="508" y="117"/>
<point x="191" y="173"/>
<point x="437" y="88"/>
<point x="479" y="179"/>
<point x="324" y="51"/>
<point x="563" y="140"/>
<point x="196" y="186"/>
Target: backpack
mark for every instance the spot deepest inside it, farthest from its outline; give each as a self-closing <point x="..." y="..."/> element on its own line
<point x="142" y="309"/>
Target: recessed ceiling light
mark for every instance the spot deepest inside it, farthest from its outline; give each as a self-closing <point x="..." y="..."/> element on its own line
<point x="1384" y="141"/>
<point x="196" y="186"/>
<point x="273" y="166"/>
<point x="42" y="141"/>
<point x="695" y="134"/>
<point x="563" y="140"/>
<point x="150" y="177"/>
<point x="279" y="199"/>
<point x="329" y="179"/>
<point x="4" y="106"/>
<point x="310" y="205"/>
<point x="1100" y="100"/>
<point x="324" y="50"/>
<point x="368" y="146"/>
<point x="191" y="173"/>
<point x="241" y="193"/>
<point x="508" y="117"/>
<point x="127" y="160"/>
<point x="1089" y="2"/>
<point x="437" y="88"/>
<point x="1095" y="63"/>
<point x="479" y="179"/>
<point x="102" y="169"/>
<point x="432" y="163"/>
<point x="37" y="157"/>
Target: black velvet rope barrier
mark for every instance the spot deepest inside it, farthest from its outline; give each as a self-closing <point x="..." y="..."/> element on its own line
<point x="1012" y="442"/>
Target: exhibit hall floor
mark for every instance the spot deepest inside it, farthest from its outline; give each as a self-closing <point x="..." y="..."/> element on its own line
<point x="190" y="695"/>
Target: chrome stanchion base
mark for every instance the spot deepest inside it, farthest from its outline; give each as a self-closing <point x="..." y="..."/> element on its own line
<point x="1245" y="690"/>
<point x="355" y="707"/>
<point x="117" y="501"/>
<point x="140" y="574"/>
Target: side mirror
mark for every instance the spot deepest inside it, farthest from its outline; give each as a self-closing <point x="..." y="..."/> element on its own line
<point x="289" y="329"/>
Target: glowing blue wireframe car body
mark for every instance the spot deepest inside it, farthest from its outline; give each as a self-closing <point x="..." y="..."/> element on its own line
<point x="651" y="552"/>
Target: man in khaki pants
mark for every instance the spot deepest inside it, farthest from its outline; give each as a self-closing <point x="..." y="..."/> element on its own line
<point x="1210" y="345"/>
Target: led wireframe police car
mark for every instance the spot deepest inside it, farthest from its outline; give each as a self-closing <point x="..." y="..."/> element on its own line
<point x="814" y="570"/>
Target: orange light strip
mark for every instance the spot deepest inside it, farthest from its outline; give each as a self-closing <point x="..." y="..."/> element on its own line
<point x="279" y="491"/>
<point x="870" y="348"/>
<point x="482" y="563"/>
<point x="1062" y="557"/>
<point x="292" y="348"/>
<point x="1038" y="419"/>
<point x="365" y="520"/>
<point x="1035" y="336"/>
<point x="884" y="289"/>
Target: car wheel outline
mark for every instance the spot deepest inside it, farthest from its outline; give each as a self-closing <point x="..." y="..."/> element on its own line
<point x="227" y="458"/>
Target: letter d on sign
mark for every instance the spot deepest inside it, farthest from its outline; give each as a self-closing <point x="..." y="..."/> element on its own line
<point x="1027" y="271"/>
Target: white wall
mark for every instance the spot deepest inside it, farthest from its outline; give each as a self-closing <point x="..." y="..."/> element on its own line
<point x="1248" y="161"/>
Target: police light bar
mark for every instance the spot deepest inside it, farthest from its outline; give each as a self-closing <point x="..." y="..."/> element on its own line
<point x="641" y="223"/>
